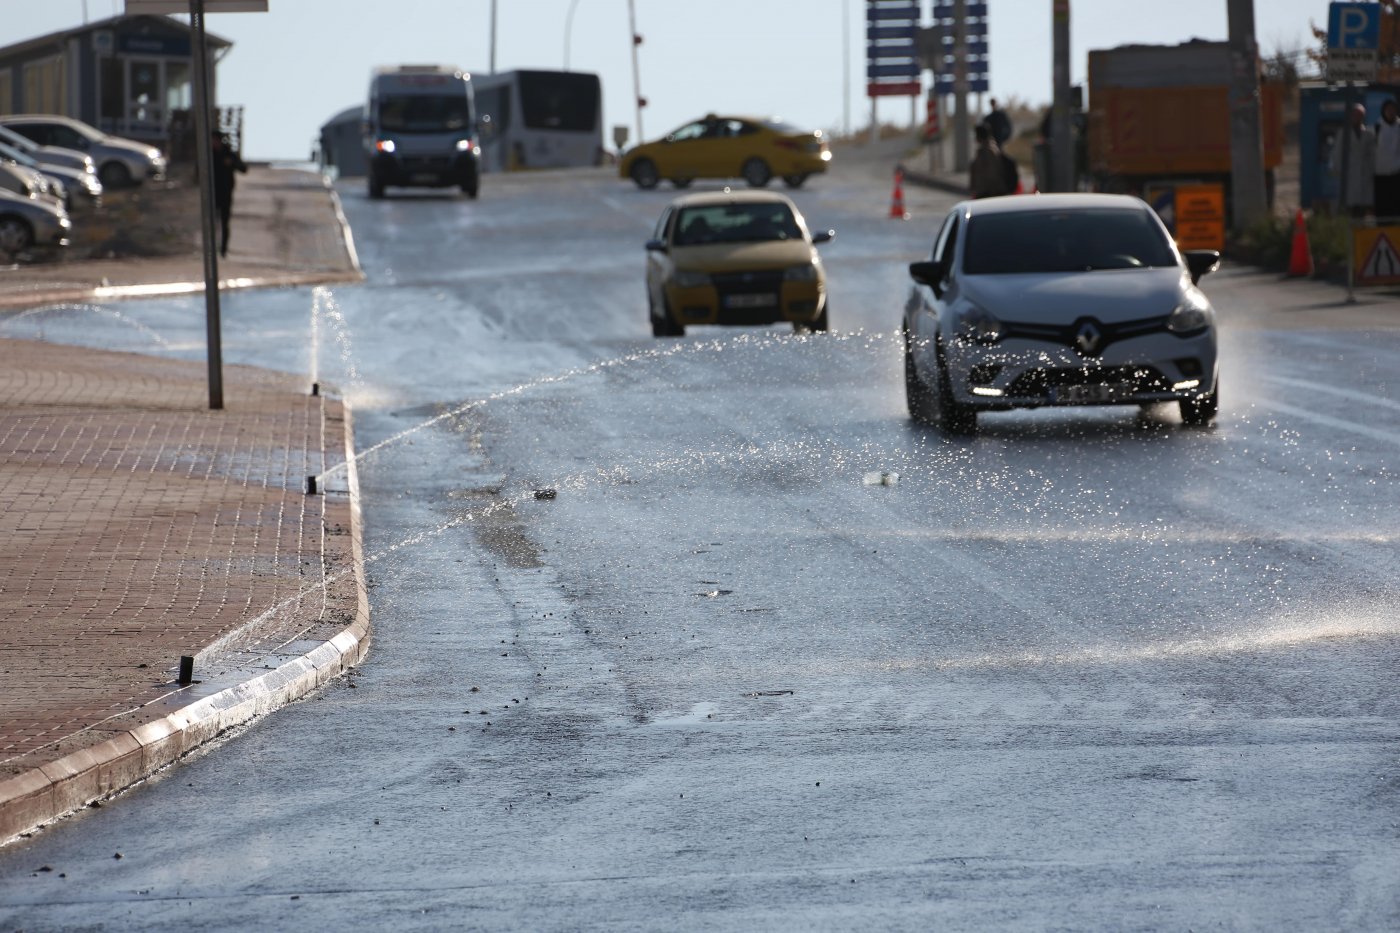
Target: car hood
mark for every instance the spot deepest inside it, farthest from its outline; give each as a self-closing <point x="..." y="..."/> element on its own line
<point x="126" y="147"/>
<point x="57" y="155"/>
<point x="1109" y="295"/>
<point x="742" y="257"/>
<point x="9" y="200"/>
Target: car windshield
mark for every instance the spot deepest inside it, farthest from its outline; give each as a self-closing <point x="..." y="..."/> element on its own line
<point x="735" y="223"/>
<point x="1029" y="242"/>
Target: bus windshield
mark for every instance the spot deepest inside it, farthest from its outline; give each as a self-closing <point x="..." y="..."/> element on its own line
<point x="559" y="101"/>
<point x="424" y="113"/>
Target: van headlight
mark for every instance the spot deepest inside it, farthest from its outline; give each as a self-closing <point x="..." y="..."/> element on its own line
<point x="385" y="145"/>
<point x="691" y="279"/>
<point x="807" y="272"/>
<point x="980" y="325"/>
<point x="1190" y="317"/>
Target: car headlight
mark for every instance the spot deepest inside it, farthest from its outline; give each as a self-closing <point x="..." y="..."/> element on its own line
<point x="1190" y="317"/>
<point x="691" y="279"/>
<point x="385" y="145"/>
<point x="807" y="272"/>
<point x="980" y="325"/>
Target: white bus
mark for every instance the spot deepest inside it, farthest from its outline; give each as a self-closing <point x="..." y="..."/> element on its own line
<point x="420" y="129"/>
<point x="539" y="119"/>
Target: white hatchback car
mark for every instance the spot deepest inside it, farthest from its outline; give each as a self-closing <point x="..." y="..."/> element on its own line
<point x="1064" y="299"/>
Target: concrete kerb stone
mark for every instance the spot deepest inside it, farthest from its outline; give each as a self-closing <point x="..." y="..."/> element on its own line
<point x="33" y="798"/>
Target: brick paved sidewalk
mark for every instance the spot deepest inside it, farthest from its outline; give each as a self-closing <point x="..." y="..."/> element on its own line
<point x="138" y="527"/>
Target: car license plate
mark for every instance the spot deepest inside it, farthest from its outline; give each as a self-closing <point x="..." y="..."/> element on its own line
<point x="750" y="301"/>
<point x="424" y="177"/>
<point x="1089" y="394"/>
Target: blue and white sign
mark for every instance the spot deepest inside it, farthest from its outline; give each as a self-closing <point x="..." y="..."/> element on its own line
<point x="976" y="53"/>
<point x="1354" y="26"/>
<point x="1353" y="36"/>
<point x="891" y="52"/>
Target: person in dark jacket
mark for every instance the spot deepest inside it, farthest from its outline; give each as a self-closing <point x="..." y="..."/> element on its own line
<point x="998" y="124"/>
<point x="227" y="161"/>
<point x="986" y="176"/>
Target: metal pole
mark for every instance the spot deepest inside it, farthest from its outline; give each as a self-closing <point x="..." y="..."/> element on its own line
<point x="846" y="68"/>
<point x="203" y="110"/>
<point x="636" y="68"/>
<point x="1343" y="200"/>
<point x="962" y="132"/>
<point x="1062" y="168"/>
<point x="569" y="31"/>
<point x="1250" y="197"/>
<point x="493" y="36"/>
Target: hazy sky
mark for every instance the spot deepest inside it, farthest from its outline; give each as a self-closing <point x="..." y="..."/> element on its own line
<point x="304" y="61"/>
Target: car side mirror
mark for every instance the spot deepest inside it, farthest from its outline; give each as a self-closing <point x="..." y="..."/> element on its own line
<point x="1201" y="262"/>
<point x="656" y="246"/>
<point x="823" y="236"/>
<point x="928" y="273"/>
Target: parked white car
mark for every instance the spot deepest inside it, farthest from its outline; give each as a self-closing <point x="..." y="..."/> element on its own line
<point x="48" y="155"/>
<point x="28" y="223"/>
<point x="1073" y="299"/>
<point x="120" y="162"/>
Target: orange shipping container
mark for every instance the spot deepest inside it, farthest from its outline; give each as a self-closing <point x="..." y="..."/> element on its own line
<point x="1158" y="112"/>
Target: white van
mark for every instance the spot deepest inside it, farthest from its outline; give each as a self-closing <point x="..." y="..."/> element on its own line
<point x="420" y="129"/>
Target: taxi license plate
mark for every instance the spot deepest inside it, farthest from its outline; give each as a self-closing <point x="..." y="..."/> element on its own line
<point x="750" y="301"/>
<point x="1089" y="394"/>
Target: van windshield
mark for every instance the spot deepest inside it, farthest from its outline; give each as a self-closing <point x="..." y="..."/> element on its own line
<point x="424" y="113"/>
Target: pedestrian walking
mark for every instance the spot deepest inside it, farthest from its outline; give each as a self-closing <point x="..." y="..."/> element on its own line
<point x="1358" y="193"/>
<point x="999" y="124"/>
<point x="1388" y="162"/>
<point x="227" y="161"/>
<point x="987" y="173"/>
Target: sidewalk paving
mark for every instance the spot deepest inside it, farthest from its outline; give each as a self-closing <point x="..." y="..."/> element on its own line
<point x="140" y="527"/>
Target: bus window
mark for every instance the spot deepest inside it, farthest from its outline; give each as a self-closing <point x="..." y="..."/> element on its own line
<point x="559" y="101"/>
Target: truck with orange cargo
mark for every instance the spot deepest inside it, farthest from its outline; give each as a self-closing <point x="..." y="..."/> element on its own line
<point x="1160" y="115"/>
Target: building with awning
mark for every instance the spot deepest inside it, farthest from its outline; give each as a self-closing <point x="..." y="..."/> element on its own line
<point x="127" y="75"/>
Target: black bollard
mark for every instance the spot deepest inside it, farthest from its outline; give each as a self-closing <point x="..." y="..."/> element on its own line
<point x="311" y="485"/>
<point x="315" y="388"/>
<point x="186" y="670"/>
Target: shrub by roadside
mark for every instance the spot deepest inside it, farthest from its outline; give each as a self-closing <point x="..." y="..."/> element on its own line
<point x="1269" y="244"/>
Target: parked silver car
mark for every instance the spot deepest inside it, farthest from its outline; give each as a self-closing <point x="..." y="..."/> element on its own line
<point x="78" y="187"/>
<point x="1074" y="299"/>
<point x="48" y="155"/>
<point x="29" y="223"/>
<point x="120" y="162"/>
<point x="27" y="183"/>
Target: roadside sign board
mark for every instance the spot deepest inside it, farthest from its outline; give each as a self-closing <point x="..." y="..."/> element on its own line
<point x="1377" y="258"/>
<point x="891" y="48"/>
<point x="1200" y="216"/>
<point x="163" y="7"/>
<point x="976" y="52"/>
<point x="1353" y="38"/>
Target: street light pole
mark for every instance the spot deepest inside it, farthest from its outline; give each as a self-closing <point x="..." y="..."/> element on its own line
<point x="1251" y="200"/>
<point x="636" y="69"/>
<point x="203" y="110"/>
<point x="1062" y="168"/>
<point x="493" y="36"/>
<point x="845" y="67"/>
<point x="569" y="31"/>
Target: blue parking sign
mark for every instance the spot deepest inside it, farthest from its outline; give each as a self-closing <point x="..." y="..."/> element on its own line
<point x="1354" y="26"/>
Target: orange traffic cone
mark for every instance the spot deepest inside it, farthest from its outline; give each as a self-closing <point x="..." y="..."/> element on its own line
<point x="1301" y="262"/>
<point x="897" y="211"/>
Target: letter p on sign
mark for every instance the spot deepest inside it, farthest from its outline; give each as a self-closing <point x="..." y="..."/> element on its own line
<point x="1354" y="26"/>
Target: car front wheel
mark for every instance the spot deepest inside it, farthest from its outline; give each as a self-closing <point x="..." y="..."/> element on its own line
<point x="16" y="235"/>
<point x="644" y="173"/>
<point x="922" y="408"/>
<point x="757" y="173"/>
<point x="114" y="175"/>
<point x="956" y="418"/>
<point x="662" y="325"/>
<point x="1198" y="412"/>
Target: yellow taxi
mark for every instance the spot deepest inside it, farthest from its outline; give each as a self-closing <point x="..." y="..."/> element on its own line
<point x="735" y="257"/>
<point x="729" y="147"/>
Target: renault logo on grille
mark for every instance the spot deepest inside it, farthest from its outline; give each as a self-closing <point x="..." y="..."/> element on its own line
<point x="1088" y="340"/>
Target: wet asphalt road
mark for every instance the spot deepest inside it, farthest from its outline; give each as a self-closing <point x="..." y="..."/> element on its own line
<point x="1089" y="670"/>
